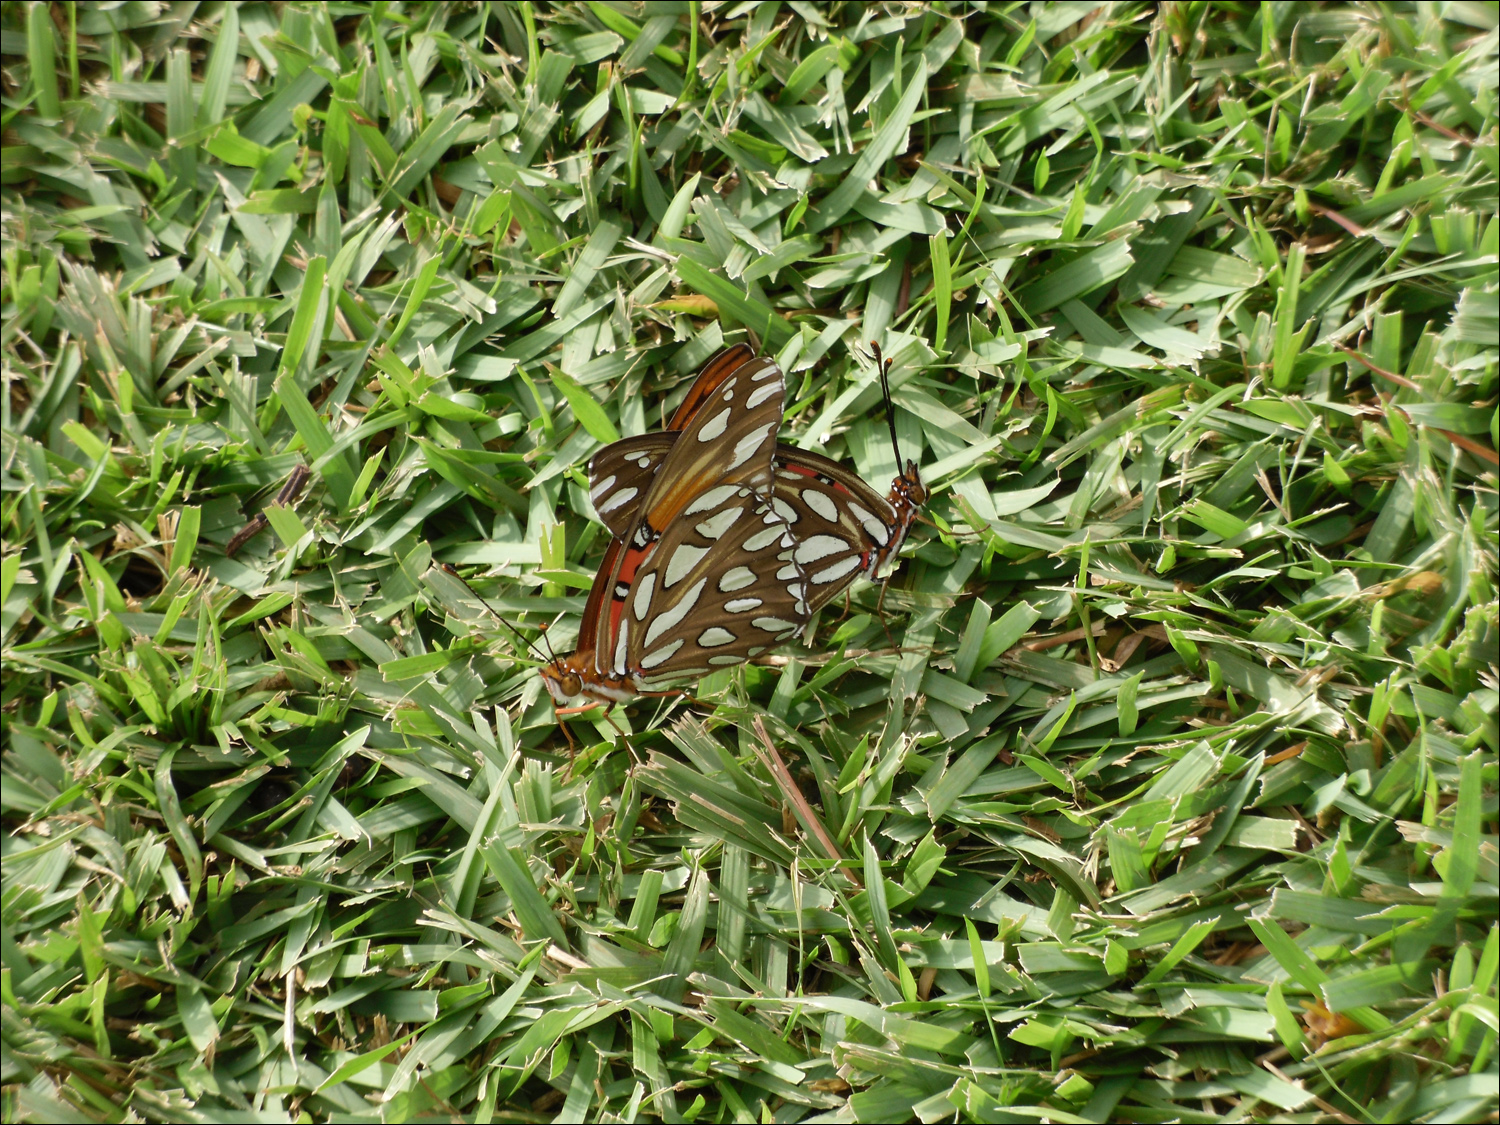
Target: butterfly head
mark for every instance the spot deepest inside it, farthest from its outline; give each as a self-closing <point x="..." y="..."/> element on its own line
<point x="569" y="677"/>
<point x="907" y="490"/>
<point x="563" y="679"/>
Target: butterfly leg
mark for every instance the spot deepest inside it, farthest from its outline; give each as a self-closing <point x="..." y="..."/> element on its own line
<point x="580" y="709"/>
<point x="619" y="730"/>
<point x="572" y="745"/>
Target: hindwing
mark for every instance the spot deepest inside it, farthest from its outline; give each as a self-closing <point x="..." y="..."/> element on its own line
<point x="621" y="474"/>
<point x="722" y="586"/>
<point x="843" y="527"/>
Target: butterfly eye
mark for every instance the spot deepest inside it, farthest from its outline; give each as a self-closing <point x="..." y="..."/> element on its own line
<point x="571" y="684"/>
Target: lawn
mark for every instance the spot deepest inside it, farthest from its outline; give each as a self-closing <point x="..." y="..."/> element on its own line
<point x="1157" y="783"/>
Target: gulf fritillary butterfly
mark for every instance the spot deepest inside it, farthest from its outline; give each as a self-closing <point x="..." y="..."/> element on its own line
<point x="725" y="542"/>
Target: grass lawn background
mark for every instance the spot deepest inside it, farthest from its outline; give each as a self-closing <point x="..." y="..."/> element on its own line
<point x="1165" y="789"/>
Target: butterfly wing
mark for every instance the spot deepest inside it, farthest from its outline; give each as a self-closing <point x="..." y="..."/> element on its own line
<point x="724" y="542"/>
<point x="621" y="474"/>
<point x="721" y="587"/>
<point x="726" y="443"/>
<point x="709" y="379"/>
<point x="844" y="527"/>
<point x="594" y="608"/>
<point x="724" y="449"/>
<point x="839" y="522"/>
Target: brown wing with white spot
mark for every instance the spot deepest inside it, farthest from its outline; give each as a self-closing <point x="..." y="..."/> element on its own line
<point x="621" y="474"/>
<point x="843" y="527"/>
<point x="727" y="440"/>
<point x="722" y="586"/>
<point x="710" y="376"/>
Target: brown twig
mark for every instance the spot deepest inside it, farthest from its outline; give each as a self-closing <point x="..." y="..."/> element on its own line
<point x="772" y="760"/>
<point x="286" y="497"/>
<point x="1317" y="1101"/>
<point x="1400" y="380"/>
<point x="1348" y="224"/>
<point x="1469" y="445"/>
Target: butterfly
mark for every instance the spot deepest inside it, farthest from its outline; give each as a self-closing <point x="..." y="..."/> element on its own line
<point x="725" y="543"/>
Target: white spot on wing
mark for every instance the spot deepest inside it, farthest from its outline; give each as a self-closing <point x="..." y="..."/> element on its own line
<point x="763" y="539"/>
<point x="745" y="448"/>
<point x="661" y="655"/>
<point x="621" y="645"/>
<point x="711" y="499"/>
<point x="725" y="660"/>
<point x="602" y="487"/>
<point x="714" y="428"/>
<point x="681" y="564"/>
<point x="736" y="579"/>
<point x="643" y="591"/>
<point x="874" y="526"/>
<point x="669" y="619"/>
<point x="821" y="503"/>
<point x="715" y="637"/>
<point x="741" y="605"/>
<point x="624" y="496"/>
<point x="761" y="394"/>
<point x="772" y="624"/>
<point x="818" y="547"/>
<point x="765" y="372"/>
<point x="836" y="571"/>
<point x="715" y="526"/>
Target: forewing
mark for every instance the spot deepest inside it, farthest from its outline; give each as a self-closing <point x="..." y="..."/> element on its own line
<point x="726" y="447"/>
<point x="721" y="586"/>
<point x="595" y="610"/>
<point x="727" y="443"/>
<point x="709" y="379"/>
<point x="621" y="474"/>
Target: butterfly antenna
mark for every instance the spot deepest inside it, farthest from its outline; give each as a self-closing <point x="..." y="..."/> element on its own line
<point x="884" y="366"/>
<point x="546" y="640"/>
<point x="446" y="569"/>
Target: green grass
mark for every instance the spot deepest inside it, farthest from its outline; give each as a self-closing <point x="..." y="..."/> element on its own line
<point x="1166" y="788"/>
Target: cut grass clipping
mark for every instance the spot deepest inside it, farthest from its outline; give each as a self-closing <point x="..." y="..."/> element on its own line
<point x="1162" y="786"/>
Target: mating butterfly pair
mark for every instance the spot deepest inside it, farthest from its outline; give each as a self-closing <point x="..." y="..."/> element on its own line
<point x="725" y="542"/>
